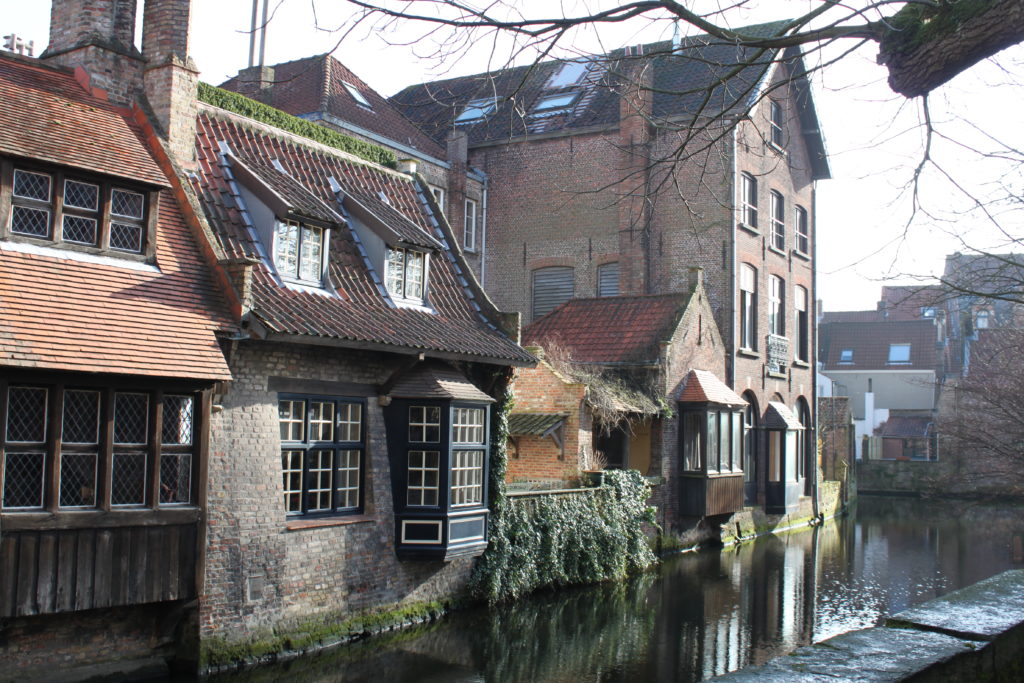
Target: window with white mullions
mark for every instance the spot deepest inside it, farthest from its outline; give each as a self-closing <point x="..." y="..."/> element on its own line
<point x="467" y="477"/>
<point x="84" y="478"/>
<point x="778" y="208"/>
<point x="777" y="306"/>
<point x="777" y="122"/>
<point x="748" y="307"/>
<point x="424" y="476"/>
<point x="802" y="320"/>
<point x="803" y="236"/>
<point x="298" y="251"/>
<point x="321" y="454"/>
<point x="748" y="200"/>
<point x="469" y="234"/>
<point x="406" y="274"/>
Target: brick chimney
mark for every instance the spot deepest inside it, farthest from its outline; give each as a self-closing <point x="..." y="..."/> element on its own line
<point x="99" y="37"/>
<point x="170" y="79"/>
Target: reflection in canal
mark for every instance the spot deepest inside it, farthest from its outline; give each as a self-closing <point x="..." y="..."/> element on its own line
<point x="701" y="614"/>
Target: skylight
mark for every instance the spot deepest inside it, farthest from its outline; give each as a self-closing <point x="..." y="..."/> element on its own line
<point x="552" y="102"/>
<point x="846" y="356"/>
<point x="476" y="109"/>
<point x="569" y="74"/>
<point x="356" y="95"/>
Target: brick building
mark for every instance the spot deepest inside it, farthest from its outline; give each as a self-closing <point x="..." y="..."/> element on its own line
<point x="611" y="175"/>
<point x="110" y="353"/>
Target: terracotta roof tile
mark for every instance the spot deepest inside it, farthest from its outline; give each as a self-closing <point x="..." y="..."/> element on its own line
<point x="360" y="314"/>
<point x="621" y="329"/>
<point x="47" y="115"/>
<point x="703" y="387"/>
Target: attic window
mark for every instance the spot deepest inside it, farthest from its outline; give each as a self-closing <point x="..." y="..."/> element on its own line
<point x="356" y="95"/>
<point x="555" y="102"/>
<point x="68" y="211"/>
<point x="569" y="74"/>
<point x="846" y="356"/>
<point x="298" y="251"/>
<point x="899" y="353"/>
<point x="406" y="274"/>
<point x="476" y="109"/>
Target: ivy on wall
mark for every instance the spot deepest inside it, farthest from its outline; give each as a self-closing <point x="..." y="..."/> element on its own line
<point x="240" y="104"/>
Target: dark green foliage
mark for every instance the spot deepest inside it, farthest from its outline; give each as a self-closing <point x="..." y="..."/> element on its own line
<point x="245" y="106"/>
<point x="564" y="539"/>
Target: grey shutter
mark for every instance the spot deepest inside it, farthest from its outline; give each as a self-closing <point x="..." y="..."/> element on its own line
<point x="551" y="287"/>
<point x="608" y="279"/>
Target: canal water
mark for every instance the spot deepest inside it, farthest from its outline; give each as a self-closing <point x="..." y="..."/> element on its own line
<point x="700" y="614"/>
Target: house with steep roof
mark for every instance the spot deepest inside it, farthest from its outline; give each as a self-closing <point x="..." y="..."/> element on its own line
<point x="111" y="352"/>
<point x="248" y="377"/>
<point x="609" y="175"/>
<point x="634" y="382"/>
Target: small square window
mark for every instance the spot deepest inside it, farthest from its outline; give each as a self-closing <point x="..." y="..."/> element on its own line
<point x="899" y="353"/>
<point x="846" y="356"/>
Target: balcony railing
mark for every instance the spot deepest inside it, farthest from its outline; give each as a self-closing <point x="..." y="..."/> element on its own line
<point x="777" y="353"/>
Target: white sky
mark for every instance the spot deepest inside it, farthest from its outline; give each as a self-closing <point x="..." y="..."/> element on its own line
<point x="873" y="136"/>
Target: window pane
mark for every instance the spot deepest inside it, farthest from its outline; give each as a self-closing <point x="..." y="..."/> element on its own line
<point x="26" y="414"/>
<point x="128" y="479"/>
<point x="23" y="480"/>
<point x="27" y="221"/>
<point x="81" y="195"/>
<point x="423" y="477"/>
<point x="347" y="479"/>
<point x="712" y="445"/>
<point x="321" y="421"/>
<point x="468" y="425"/>
<point x="425" y="424"/>
<point x="350" y="421"/>
<point x="291" y="466"/>
<point x="691" y="442"/>
<point x="79" y="230"/>
<point x="32" y="185"/>
<point x="467" y="477"/>
<point x="127" y="204"/>
<point x="414" y="275"/>
<point x="899" y="353"/>
<point x="396" y="272"/>
<point x="318" y="496"/>
<point x="177" y="426"/>
<point x="312" y="253"/>
<point x="175" y="478"/>
<point x="286" y="248"/>
<point x="126" y="237"/>
<point x="291" y="417"/>
<point x="131" y="418"/>
<point x="81" y="416"/>
<point x="78" y="480"/>
<point x="737" y="442"/>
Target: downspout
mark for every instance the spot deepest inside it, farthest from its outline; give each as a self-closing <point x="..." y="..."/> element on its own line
<point x="813" y="341"/>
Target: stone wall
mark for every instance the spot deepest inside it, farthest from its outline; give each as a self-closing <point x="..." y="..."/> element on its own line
<point x="264" y="571"/>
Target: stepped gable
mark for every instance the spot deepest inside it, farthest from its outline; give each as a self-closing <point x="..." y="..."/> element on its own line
<point x="357" y="312"/>
<point x="618" y="329"/>
<point x="74" y="311"/>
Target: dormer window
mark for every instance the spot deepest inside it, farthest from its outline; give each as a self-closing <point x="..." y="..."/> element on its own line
<point x="298" y="251"/>
<point x="79" y="212"/>
<point x="356" y="95"/>
<point x="476" y="110"/>
<point x="406" y="276"/>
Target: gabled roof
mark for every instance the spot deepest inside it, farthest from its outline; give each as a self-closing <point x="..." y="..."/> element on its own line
<point x="317" y="85"/>
<point x="618" y="329"/>
<point x="699" y="79"/>
<point x="870" y="342"/>
<point x="48" y="115"/>
<point x="286" y="196"/>
<point x="63" y="310"/>
<point x="357" y="315"/>
<point x="703" y="387"/>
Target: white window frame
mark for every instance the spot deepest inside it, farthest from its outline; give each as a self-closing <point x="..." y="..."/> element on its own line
<point x="400" y="292"/>
<point x="748" y="307"/>
<point x="438" y="193"/>
<point x="302" y="231"/>
<point x="899" y="354"/>
<point x="802" y="229"/>
<point x="778" y="216"/>
<point x="748" y="200"/>
<point x="776" y="123"/>
<point x="469" y="227"/>
<point x="776" y="306"/>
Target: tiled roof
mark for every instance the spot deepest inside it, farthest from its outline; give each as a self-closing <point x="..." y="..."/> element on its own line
<point x="870" y="345"/>
<point x="703" y="387"/>
<point x="292" y="194"/>
<point x="619" y="329"/>
<point x="851" y="317"/>
<point x="61" y="310"/>
<point x="436" y="380"/>
<point x="316" y="84"/>
<point x="906" y="302"/>
<point x="359" y="314"/>
<point x="534" y="424"/>
<point x="779" y="416"/>
<point x="47" y="115"/>
<point x="906" y="427"/>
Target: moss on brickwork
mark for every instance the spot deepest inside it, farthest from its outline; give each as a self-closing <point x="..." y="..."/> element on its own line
<point x="221" y="654"/>
<point x="240" y="104"/>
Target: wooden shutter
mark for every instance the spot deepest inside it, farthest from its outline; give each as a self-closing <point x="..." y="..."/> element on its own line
<point x="608" y="279"/>
<point x="551" y="287"/>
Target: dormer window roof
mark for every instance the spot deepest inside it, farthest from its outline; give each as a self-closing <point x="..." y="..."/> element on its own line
<point x="477" y="109"/>
<point x="356" y="95"/>
<point x="570" y="73"/>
